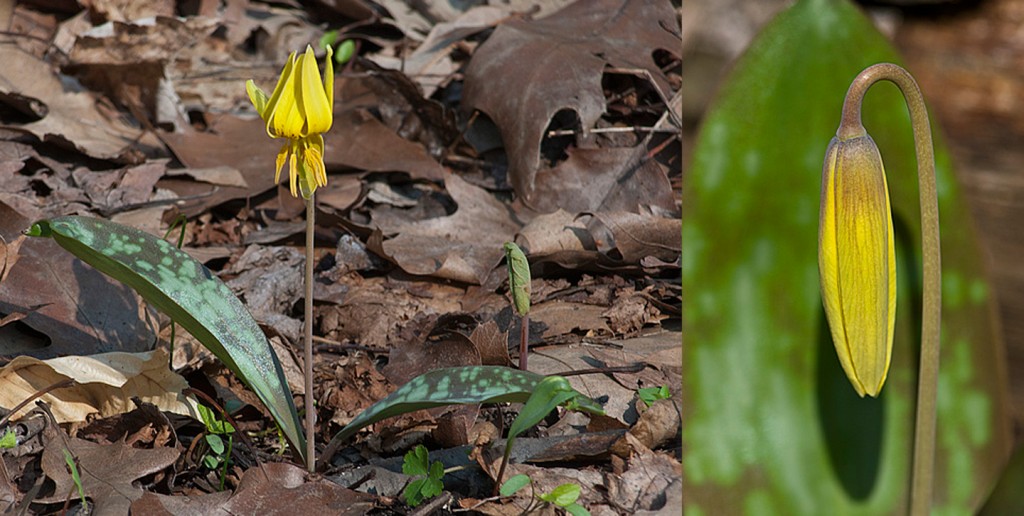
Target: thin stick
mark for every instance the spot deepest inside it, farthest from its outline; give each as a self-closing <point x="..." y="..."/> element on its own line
<point x="308" y="331"/>
<point x="928" y="375"/>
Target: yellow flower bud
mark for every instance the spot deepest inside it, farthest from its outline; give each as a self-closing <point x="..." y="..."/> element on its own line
<point x="857" y="260"/>
<point x="300" y="109"/>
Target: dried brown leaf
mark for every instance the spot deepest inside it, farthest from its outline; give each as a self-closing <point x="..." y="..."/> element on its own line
<point x="464" y="247"/>
<point x="529" y="70"/>
<point x="77" y="309"/>
<point x="65" y="116"/>
<point x="284" y="489"/>
<point x="104" y="384"/>
<point x="108" y="471"/>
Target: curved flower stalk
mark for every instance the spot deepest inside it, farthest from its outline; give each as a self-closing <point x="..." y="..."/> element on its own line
<point x="857" y="262"/>
<point x="300" y="109"/>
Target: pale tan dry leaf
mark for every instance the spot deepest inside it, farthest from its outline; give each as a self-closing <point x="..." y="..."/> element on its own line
<point x="106" y="384"/>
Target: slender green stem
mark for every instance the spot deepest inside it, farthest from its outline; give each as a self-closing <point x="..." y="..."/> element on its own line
<point x="928" y="375"/>
<point x="308" y="340"/>
<point x="524" y="339"/>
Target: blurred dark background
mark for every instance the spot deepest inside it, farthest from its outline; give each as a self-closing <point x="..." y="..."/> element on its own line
<point x="968" y="57"/>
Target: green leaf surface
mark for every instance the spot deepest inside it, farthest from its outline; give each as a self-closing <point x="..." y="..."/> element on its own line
<point x="416" y="461"/>
<point x="184" y="289"/>
<point x="514" y="484"/>
<point x="576" y="510"/>
<point x="468" y="385"/>
<point x="563" y="495"/>
<point x="9" y="440"/>
<point x="772" y="424"/>
<point x="213" y="424"/>
<point x="216" y="443"/>
<point x="651" y="394"/>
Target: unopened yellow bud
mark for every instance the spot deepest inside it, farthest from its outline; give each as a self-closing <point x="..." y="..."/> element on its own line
<point x="857" y="260"/>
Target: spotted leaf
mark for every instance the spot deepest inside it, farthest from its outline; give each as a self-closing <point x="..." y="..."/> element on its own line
<point x="184" y="289"/>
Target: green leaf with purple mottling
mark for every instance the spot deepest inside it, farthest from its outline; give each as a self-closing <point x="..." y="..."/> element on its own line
<point x="184" y="289"/>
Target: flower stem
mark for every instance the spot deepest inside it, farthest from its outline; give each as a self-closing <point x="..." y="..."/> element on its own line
<point x="524" y="339"/>
<point x="308" y="340"/>
<point x="927" y="380"/>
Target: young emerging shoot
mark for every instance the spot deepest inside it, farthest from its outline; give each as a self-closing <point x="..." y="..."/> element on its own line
<point x="519" y="288"/>
<point x="301" y="109"/>
<point x="857" y="265"/>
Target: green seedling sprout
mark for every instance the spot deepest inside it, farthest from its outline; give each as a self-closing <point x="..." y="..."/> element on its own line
<point x="76" y="478"/>
<point x="181" y="287"/>
<point x="519" y="288"/>
<point x="551" y="392"/>
<point x="563" y="496"/>
<point x="651" y="394"/>
<point x="219" y="454"/>
<point x="417" y="464"/>
<point x="9" y="440"/>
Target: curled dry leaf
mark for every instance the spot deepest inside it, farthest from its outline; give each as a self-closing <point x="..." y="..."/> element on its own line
<point x="105" y="384"/>
<point x="528" y="71"/>
<point x="63" y="115"/>
<point x="462" y="247"/>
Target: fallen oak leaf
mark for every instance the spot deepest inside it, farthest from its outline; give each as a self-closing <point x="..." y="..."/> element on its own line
<point x="108" y="471"/>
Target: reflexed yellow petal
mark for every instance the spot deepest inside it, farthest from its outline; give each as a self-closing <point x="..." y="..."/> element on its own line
<point x="312" y="97"/>
<point x="257" y="97"/>
<point x="329" y="78"/>
<point x="857" y="261"/>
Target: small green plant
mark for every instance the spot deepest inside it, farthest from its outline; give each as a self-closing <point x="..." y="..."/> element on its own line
<point x="345" y="50"/>
<point x="563" y="496"/>
<point x="651" y="394"/>
<point x="519" y="288"/>
<point x="417" y="464"/>
<point x="76" y="478"/>
<point x="9" y="440"/>
<point x="219" y="455"/>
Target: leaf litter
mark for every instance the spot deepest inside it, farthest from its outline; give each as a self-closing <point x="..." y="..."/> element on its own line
<point x="455" y="131"/>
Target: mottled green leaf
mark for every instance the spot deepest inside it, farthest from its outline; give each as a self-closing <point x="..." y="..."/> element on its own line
<point x="184" y="289"/>
<point x="772" y="426"/>
<point x="467" y="385"/>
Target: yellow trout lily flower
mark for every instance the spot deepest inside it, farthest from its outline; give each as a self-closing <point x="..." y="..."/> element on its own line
<point x="857" y="260"/>
<point x="300" y="109"/>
